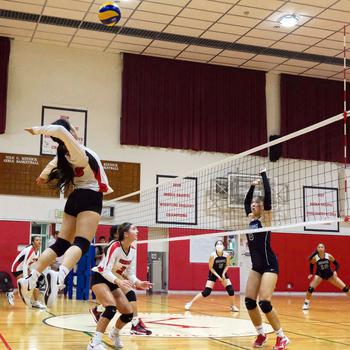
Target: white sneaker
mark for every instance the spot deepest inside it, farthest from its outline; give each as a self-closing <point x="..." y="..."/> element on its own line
<point x="25" y="291"/>
<point x="95" y="346"/>
<point x="234" y="308"/>
<point x="116" y="338"/>
<point x="10" y="298"/>
<point x="306" y="306"/>
<point x="52" y="288"/>
<point x="38" y="305"/>
<point x="188" y="306"/>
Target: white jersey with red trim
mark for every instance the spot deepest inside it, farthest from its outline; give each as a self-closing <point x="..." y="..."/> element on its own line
<point x="24" y="259"/>
<point x="87" y="166"/>
<point x="118" y="263"/>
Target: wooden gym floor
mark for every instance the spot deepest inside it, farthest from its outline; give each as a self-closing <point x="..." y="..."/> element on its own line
<point x="325" y="326"/>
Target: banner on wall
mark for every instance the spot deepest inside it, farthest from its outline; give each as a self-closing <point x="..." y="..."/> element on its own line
<point x="176" y="202"/>
<point x="76" y="117"/>
<point x="321" y="203"/>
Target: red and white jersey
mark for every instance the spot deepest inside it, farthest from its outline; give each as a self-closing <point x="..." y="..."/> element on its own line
<point x="24" y="259"/>
<point x="87" y="166"/>
<point x="118" y="263"/>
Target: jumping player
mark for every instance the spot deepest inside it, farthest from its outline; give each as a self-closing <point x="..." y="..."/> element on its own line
<point x="80" y="167"/>
<point x="323" y="260"/>
<point x="219" y="262"/>
<point x="263" y="276"/>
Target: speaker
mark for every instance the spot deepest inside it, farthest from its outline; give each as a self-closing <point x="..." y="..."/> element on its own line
<point x="275" y="152"/>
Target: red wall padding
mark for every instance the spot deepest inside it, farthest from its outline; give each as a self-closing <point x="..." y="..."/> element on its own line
<point x="293" y="251"/>
<point x="12" y="234"/>
<point x="184" y="275"/>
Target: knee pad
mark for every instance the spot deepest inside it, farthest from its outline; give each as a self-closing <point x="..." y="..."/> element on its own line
<point x="265" y="306"/>
<point x="126" y="318"/>
<point x="250" y="304"/>
<point x="310" y="289"/>
<point x="82" y="243"/>
<point x="109" y="312"/>
<point x="131" y="296"/>
<point x="230" y="290"/>
<point x="60" y="246"/>
<point x="345" y="289"/>
<point x="206" y="292"/>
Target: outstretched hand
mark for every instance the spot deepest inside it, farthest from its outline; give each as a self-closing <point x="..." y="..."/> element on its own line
<point x="30" y="130"/>
<point x="40" y="181"/>
<point x="256" y="182"/>
<point x="144" y="285"/>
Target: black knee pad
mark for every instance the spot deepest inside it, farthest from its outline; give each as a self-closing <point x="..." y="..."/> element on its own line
<point x="126" y="318"/>
<point x="131" y="296"/>
<point x="345" y="289"/>
<point x="109" y="312"/>
<point x="206" y="292"/>
<point x="265" y="306"/>
<point x="250" y="304"/>
<point x="310" y="289"/>
<point x="230" y="290"/>
<point x="60" y="246"/>
<point x="82" y="243"/>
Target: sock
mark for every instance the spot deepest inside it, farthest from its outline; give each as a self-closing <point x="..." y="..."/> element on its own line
<point x="306" y="301"/>
<point x="62" y="274"/>
<point x="34" y="275"/>
<point x="97" y="337"/>
<point x="260" y="330"/>
<point x="135" y="321"/>
<point x="279" y="333"/>
<point x="115" y="331"/>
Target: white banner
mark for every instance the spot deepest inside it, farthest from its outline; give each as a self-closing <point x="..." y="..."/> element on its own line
<point x="321" y="203"/>
<point x="76" y="117"/>
<point x="177" y="201"/>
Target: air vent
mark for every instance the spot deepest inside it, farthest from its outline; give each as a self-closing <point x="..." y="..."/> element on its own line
<point x="175" y="38"/>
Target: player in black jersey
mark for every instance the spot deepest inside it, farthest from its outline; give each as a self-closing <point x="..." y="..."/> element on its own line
<point x="263" y="276"/>
<point x="323" y="260"/>
<point x="219" y="262"/>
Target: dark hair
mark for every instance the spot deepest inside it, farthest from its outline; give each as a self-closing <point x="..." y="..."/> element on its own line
<point x="33" y="239"/>
<point x="63" y="174"/>
<point x="315" y="252"/>
<point x="102" y="237"/>
<point x="112" y="231"/>
<point x="219" y="240"/>
<point x="124" y="227"/>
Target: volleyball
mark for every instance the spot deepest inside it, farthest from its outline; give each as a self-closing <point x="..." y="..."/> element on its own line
<point x="109" y="13"/>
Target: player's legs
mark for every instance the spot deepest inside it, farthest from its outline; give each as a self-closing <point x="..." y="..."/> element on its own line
<point x="316" y="281"/>
<point x="231" y="293"/>
<point x="205" y="293"/>
<point x="336" y="281"/>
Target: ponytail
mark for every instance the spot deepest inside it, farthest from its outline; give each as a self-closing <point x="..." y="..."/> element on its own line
<point x="124" y="227"/>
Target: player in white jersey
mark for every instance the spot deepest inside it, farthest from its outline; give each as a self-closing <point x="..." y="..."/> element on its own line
<point x="137" y="325"/>
<point x="219" y="263"/>
<point x="77" y="166"/>
<point x="113" y="281"/>
<point x="21" y="268"/>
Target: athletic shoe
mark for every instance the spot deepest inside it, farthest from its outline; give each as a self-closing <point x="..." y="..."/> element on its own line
<point x="95" y="346"/>
<point x="140" y="329"/>
<point x="260" y="340"/>
<point x="116" y="338"/>
<point x="234" y="308"/>
<point x="52" y="288"/>
<point x="281" y="343"/>
<point x="188" y="306"/>
<point x="95" y="314"/>
<point x="306" y="306"/>
<point x="38" y="305"/>
<point x="25" y="291"/>
<point x="10" y="298"/>
<point x="148" y="332"/>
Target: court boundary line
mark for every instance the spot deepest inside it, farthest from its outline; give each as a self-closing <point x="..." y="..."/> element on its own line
<point x="8" y="347"/>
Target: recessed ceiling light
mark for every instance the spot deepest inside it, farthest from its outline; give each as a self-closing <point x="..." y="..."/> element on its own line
<point x="289" y="20"/>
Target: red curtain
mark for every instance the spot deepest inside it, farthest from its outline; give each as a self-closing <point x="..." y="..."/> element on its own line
<point x="4" y="61"/>
<point x="187" y="105"/>
<point x="306" y="101"/>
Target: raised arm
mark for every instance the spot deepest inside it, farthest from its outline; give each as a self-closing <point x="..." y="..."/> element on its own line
<point x="248" y="198"/>
<point x="267" y="198"/>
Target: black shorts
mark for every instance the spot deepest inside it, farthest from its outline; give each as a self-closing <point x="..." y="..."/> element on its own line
<point x="212" y="277"/>
<point x="83" y="200"/>
<point x="265" y="267"/>
<point x="17" y="273"/>
<point x="325" y="275"/>
<point x="97" y="278"/>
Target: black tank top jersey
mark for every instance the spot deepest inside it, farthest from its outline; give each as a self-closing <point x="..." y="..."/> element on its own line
<point x="219" y="262"/>
<point x="323" y="265"/>
<point x="262" y="256"/>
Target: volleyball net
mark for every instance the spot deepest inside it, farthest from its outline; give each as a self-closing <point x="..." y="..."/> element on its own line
<point x="307" y="194"/>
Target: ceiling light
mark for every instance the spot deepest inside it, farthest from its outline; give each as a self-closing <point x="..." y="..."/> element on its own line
<point x="289" y="20"/>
